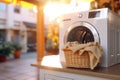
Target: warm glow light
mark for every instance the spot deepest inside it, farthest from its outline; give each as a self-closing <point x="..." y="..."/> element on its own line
<point x="85" y="0"/>
<point x="84" y="5"/>
<point x="51" y="61"/>
<point x="19" y="2"/>
<point x="6" y="1"/>
<point x="53" y="10"/>
<point x="35" y="9"/>
<point x="26" y="5"/>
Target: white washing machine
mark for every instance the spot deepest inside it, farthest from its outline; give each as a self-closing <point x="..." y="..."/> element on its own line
<point x="100" y="25"/>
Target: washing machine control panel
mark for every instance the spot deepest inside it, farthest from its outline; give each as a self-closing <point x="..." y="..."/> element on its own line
<point x="94" y="14"/>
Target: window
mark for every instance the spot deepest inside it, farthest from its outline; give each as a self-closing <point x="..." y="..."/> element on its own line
<point x="2" y="7"/>
<point x="2" y="36"/>
<point x="2" y="21"/>
<point x="17" y="9"/>
<point x="17" y="23"/>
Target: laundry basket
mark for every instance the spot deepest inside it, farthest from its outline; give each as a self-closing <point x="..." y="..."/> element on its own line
<point x="76" y="60"/>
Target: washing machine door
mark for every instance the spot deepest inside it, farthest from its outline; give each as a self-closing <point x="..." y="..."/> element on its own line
<point x="82" y="32"/>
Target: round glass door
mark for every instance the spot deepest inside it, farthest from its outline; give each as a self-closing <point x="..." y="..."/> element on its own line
<point x="81" y="32"/>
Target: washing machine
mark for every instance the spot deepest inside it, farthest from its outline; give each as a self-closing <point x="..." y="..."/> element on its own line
<point x="100" y="25"/>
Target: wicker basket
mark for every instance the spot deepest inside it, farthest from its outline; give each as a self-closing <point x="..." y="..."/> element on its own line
<point x="76" y="60"/>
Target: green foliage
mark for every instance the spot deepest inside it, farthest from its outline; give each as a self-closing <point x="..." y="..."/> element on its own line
<point x="6" y="49"/>
<point x="16" y="46"/>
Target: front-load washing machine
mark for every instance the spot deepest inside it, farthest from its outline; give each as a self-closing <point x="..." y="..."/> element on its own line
<point x="100" y="25"/>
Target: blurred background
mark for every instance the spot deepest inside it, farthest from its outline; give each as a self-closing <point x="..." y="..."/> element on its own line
<point x="18" y="20"/>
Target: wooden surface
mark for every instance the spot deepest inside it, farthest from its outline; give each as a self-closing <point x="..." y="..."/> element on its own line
<point x="40" y="32"/>
<point x="53" y="63"/>
<point x="39" y="28"/>
<point x="32" y="1"/>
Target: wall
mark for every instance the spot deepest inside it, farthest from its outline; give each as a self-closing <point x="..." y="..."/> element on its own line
<point x="14" y="22"/>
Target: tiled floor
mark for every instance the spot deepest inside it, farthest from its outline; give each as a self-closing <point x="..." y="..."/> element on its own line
<point x="19" y="69"/>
